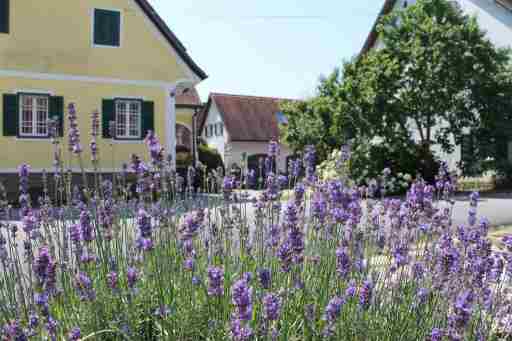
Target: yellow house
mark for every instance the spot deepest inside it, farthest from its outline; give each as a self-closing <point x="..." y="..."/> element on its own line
<point x="114" y="56"/>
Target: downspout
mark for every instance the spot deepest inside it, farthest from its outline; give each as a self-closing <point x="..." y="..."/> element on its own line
<point x="194" y="138"/>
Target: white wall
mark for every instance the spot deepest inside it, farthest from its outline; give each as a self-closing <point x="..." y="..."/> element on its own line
<point x="236" y="149"/>
<point x="217" y="142"/>
<point x="493" y="18"/>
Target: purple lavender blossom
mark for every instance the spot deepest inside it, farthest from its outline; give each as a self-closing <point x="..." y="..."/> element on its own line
<point x="285" y="255"/>
<point x="319" y="207"/>
<point x="273" y="149"/>
<point x="24" y="199"/>
<point x="274" y="236"/>
<point x="283" y="181"/>
<point x="239" y="331"/>
<point x="73" y="133"/>
<point x="295" y="168"/>
<point x="436" y="334"/>
<point x="462" y="310"/>
<point x="93" y="146"/>
<point x="41" y="300"/>
<point x="265" y="278"/>
<point x="241" y="296"/>
<point x="215" y="281"/>
<point x="310" y="163"/>
<point x="343" y="263"/>
<point x="112" y="280"/>
<point x="95" y="123"/>
<point x="351" y="289"/>
<point x="189" y="264"/>
<point x="84" y="287"/>
<point x="507" y="242"/>
<point x="74" y="334"/>
<point x="33" y="320"/>
<point x="332" y="312"/>
<point x="473" y="199"/>
<point x="333" y="309"/>
<point x="51" y="326"/>
<point x="145" y="228"/>
<point x="44" y="268"/>
<point x="191" y="225"/>
<point x="132" y="276"/>
<point x="86" y="227"/>
<point x="365" y="294"/>
<point x="156" y="151"/>
<point x="299" y="191"/>
<point x="13" y="331"/>
<point x="271" y="307"/>
<point x="30" y="224"/>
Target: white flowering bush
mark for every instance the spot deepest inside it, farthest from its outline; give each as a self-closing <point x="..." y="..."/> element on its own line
<point x="338" y="166"/>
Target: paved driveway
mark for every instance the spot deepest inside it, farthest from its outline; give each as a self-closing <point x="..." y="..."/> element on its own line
<point x="495" y="207"/>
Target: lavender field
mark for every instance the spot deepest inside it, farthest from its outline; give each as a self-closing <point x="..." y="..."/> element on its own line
<point x="331" y="262"/>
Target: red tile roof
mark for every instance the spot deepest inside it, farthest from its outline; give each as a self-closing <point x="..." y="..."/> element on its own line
<point x="246" y="118"/>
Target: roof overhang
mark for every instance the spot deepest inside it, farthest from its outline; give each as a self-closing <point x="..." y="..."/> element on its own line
<point x="171" y="38"/>
<point x="373" y="36"/>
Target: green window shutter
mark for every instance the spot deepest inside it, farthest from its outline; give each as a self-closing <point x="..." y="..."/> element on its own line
<point x="107" y="27"/>
<point x="10" y="115"/>
<point x="4" y="16"/>
<point x="56" y="108"/>
<point x="107" y="116"/>
<point x="148" y="118"/>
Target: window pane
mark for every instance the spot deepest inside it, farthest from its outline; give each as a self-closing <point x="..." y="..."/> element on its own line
<point x="128" y="119"/>
<point x="134" y="119"/>
<point x="121" y="119"/>
<point x="34" y="115"/>
<point x="41" y="123"/>
<point x="26" y="115"/>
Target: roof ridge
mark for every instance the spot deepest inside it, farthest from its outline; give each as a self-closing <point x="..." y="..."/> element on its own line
<point x="213" y="94"/>
<point x="169" y="35"/>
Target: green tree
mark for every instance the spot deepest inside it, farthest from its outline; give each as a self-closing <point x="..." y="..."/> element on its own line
<point x="311" y="122"/>
<point x="436" y="78"/>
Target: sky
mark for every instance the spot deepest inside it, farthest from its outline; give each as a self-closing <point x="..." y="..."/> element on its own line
<point x="277" y="48"/>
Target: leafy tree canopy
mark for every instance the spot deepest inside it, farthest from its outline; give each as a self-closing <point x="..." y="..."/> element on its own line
<point x="434" y="77"/>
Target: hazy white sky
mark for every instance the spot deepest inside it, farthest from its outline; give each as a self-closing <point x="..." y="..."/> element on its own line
<point x="268" y="47"/>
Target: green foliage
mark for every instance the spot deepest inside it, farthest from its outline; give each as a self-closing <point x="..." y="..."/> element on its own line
<point x="209" y="157"/>
<point x="435" y="78"/>
<point x="370" y="159"/>
<point x="312" y="122"/>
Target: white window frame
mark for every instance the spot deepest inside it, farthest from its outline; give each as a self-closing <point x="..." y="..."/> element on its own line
<point x="93" y="11"/>
<point x="127" y="135"/>
<point x="35" y="120"/>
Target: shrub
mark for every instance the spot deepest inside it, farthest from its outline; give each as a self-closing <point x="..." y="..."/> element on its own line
<point x="369" y="159"/>
<point x="210" y="157"/>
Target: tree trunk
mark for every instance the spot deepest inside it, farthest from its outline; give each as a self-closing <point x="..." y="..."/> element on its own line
<point x="429" y="167"/>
